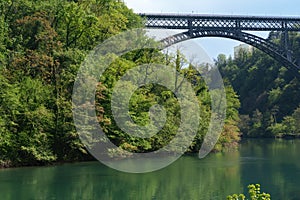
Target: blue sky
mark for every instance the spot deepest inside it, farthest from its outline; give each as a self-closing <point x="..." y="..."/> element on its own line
<point x="215" y="46"/>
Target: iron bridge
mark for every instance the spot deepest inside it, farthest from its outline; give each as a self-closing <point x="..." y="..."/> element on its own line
<point x="232" y="27"/>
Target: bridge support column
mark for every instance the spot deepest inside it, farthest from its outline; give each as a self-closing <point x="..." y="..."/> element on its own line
<point x="286" y="43"/>
<point x="190" y="26"/>
<point x="287" y="46"/>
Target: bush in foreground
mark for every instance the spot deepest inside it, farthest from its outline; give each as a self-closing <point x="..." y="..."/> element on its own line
<point x="254" y="193"/>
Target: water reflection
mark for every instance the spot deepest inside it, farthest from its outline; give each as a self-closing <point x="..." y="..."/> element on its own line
<point x="188" y="178"/>
<point x="274" y="164"/>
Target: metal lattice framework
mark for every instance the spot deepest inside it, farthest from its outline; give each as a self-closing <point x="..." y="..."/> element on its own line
<point x="230" y="27"/>
<point x="247" y="23"/>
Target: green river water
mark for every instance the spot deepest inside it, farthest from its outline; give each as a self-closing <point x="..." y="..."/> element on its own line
<point x="275" y="164"/>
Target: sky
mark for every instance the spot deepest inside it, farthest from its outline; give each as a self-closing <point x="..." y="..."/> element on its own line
<point x="215" y="46"/>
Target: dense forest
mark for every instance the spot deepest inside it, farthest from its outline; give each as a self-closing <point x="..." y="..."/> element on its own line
<point x="268" y="92"/>
<point x="42" y="45"/>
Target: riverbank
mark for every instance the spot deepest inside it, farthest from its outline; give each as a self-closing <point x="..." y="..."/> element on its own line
<point x="9" y="164"/>
<point x="89" y="158"/>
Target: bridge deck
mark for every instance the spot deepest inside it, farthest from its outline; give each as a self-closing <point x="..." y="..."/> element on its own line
<point x="229" y="22"/>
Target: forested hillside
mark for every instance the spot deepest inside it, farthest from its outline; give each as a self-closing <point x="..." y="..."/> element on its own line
<point x="42" y="44"/>
<point x="269" y="93"/>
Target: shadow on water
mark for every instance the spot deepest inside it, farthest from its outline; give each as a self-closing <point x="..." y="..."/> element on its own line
<point x="273" y="164"/>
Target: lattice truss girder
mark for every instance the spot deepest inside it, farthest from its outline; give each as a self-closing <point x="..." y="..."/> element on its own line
<point x="226" y="22"/>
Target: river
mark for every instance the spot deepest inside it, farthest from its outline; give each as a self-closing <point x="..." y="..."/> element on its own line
<point x="275" y="164"/>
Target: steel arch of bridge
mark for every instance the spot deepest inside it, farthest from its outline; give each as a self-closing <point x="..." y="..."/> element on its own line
<point x="264" y="45"/>
<point x="231" y="27"/>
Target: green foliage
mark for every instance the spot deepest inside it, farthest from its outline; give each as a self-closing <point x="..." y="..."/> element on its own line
<point x="43" y="43"/>
<point x="267" y="90"/>
<point x="152" y="94"/>
<point x="254" y="194"/>
<point x="289" y="126"/>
